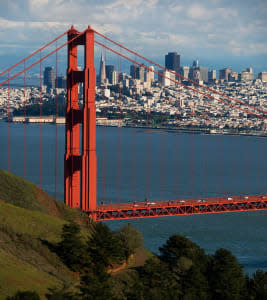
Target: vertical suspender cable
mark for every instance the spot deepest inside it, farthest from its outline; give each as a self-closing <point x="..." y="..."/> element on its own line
<point x="177" y="155"/>
<point x="147" y="153"/>
<point x="233" y="164"/>
<point x="192" y="162"/>
<point x="206" y="166"/>
<point x="103" y="162"/>
<point x="56" y="158"/>
<point x="8" y="119"/>
<point x="40" y="121"/>
<point x="220" y="163"/>
<point x="162" y="160"/>
<point x="134" y="114"/>
<point x="25" y="157"/>
<point x="249" y="169"/>
<point x="119" y="136"/>
<point x="104" y="147"/>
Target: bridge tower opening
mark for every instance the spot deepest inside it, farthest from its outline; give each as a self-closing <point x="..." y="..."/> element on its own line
<point x="80" y="169"/>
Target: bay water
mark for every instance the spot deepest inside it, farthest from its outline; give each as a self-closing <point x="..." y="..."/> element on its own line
<point x="136" y="163"/>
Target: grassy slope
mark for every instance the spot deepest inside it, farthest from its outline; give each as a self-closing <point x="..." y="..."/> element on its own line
<point x="22" y="193"/>
<point x="29" y="221"/>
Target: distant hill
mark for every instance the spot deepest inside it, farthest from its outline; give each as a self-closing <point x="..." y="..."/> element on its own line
<point x="30" y="222"/>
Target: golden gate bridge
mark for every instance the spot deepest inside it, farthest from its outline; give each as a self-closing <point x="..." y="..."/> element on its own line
<point x="80" y="161"/>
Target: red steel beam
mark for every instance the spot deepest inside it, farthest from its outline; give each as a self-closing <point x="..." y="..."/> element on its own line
<point x="80" y="168"/>
<point x="137" y="210"/>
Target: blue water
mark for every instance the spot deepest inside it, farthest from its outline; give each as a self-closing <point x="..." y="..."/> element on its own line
<point x="134" y="164"/>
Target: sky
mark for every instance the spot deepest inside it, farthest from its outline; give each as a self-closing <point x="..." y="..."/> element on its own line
<point x="219" y="33"/>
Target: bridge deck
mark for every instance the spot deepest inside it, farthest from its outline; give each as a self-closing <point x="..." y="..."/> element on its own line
<point x="149" y="209"/>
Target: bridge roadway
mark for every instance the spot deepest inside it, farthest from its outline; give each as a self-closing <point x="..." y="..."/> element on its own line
<point x="149" y="208"/>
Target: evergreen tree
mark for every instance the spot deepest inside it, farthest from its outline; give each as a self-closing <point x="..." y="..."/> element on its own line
<point x="226" y="278"/>
<point x="94" y="282"/>
<point x="27" y="295"/>
<point x="195" y="285"/>
<point x="188" y="264"/>
<point x="60" y="294"/>
<point x="179" y="247"/>
<point x="257" y="286"/>
<point x="104" y="247"/>
<point x="158" y="281"/>
<point x="103" y="250"/>
<point x="71" y="249"/>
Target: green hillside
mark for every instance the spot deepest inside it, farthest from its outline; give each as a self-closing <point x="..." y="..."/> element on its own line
<point x="37" y="235"/>
<point x="30" y="223"/>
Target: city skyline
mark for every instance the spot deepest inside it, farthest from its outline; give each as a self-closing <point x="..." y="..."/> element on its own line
<point x="218" y="33"/>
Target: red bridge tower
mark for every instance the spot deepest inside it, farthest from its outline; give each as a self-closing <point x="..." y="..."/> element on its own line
<point x="80" y="168"/>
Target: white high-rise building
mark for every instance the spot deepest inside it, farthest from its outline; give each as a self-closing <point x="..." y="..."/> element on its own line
<point x="149" y="74"/>
<point x="102" y="70"/>
<point x="167" y="78"/>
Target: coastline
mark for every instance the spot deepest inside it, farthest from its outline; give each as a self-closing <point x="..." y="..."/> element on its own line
<point x="213" y="131"/>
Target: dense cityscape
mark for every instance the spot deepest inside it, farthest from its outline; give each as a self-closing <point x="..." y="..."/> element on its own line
<point x="138" y="98"/>
<point x="133" y="150"/>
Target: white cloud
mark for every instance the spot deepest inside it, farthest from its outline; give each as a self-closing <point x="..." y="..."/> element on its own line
<point x="199" y="12"/>
<point x="207" y="27"/>
<point x="176" y="8"/>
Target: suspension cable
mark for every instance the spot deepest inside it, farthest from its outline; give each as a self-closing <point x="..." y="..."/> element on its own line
<point x="41" y="59"/>
<point x="31" y="55"/>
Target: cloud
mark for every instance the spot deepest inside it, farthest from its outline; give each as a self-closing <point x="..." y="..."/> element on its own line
<point x="199" y="12"/>
<point x="154" y="27"/>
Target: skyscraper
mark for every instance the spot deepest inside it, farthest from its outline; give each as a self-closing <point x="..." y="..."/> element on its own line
<point x="137" y="72"/>
<point x="149" y="74"/>
<point x="140" y="73"/>
<point x="133" y="71"/>
<point x="102" y="70"/>
<point x="49" y="77"/>
<point x="224" y="73"/>
<point x="184" y="71"/>
<point x="212" y="75"/>
<point x="166" y="78"/>
<point x="204" y="74"/>
<point x="198" y="73"/>
<point x="61" y="82"/>
<point x="195" y="63"/>
<point x="109" y="73"/>
<point x="172" y="61"/>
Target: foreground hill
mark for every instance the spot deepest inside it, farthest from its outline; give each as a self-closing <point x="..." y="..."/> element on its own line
<point x="30" y="222"/>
